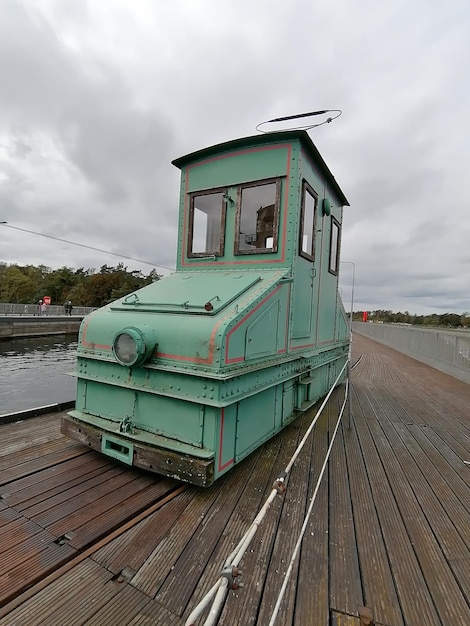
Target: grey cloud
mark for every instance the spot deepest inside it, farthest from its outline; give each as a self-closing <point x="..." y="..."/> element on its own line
<point x="98" y="98"/>
<point x="19" y="148"/>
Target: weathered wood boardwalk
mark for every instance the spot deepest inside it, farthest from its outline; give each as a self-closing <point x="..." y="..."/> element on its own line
<point x="84" y="541"/>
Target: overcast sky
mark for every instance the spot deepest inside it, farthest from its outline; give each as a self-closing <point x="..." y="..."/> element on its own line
<point x="97" y="98"/>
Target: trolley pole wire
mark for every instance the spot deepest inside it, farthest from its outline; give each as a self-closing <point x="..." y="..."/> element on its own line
<point x="230" y="572"/>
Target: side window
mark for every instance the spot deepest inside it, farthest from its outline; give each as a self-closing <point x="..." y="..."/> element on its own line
<point x="308" y="215"/>
<point x="206" y="223"/>
<point x="257" y="217"/>
<point x="334" y="246"/>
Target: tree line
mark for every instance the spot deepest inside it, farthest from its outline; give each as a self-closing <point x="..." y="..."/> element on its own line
<point x="90" y="287"/>
<point x="84" y="287"/>
<point x="451" y="320"/>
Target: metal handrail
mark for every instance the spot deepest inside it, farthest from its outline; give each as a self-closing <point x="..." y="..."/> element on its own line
<point x="219" y="590"/>
<point x="9" y="308"/>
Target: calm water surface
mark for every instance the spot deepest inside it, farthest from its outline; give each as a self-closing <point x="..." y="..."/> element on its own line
<point x="36" y="371"/>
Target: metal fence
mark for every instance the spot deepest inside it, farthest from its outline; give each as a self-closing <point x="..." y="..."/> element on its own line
<point x="7" y="308"/>
<point x="445" y="350"/>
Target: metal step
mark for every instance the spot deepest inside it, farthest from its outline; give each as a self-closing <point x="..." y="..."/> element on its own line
<point x="305" y="405"/>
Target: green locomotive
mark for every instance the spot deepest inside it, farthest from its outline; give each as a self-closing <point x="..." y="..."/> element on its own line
<point x="190" y="374"/>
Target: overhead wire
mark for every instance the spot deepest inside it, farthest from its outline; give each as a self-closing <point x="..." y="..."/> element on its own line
<point x="83" y="245"/>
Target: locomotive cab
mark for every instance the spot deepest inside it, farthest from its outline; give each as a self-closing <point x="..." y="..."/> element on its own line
<point x="187" y="376"/>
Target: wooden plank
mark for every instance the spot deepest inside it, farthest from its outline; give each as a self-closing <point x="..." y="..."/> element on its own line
<point x="15" y="532"/>
<point x="49" y="509"/>
<point x="440" y="547"/>
<point x="451" y="449"/>
<point x="32" y="561"/>
<point x="42" y="606"/>
<point x="7" y="515"/>
<point x="444" y="398"/>
<point x="177" y="590"/>
<point x="19" y="443"/>
<point x="107" y="503"/>
<point x="45" y="493"/>
<point x="399" y="505"/>
<point x="133" y="548"/>
<point x="58" y="475"/>
<point x="126" y="606"/>
<point x="32" y="450"/>
<point x="29" y="429"/>
<point x="451" y="491"/>
<point x="40" y="585"/>
<point x="286" y="536"/>
<point x="446" y="595"/>
<point x="415" y="600"/>
<point x="86" y="598"/>
<point x="312" y="602"/>
<point x="377" y="580"/>
<point x="242" y="605"/>
<point x="458" y="441"/>
<point x="121" y="511"/>
<point x="161" y="560"/>
<point x="345" y="580"/>
<point x="153" y="614"/>
<point x="64" y="452"/>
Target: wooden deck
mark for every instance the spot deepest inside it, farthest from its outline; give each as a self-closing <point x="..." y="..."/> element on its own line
<point x="84" y="541"/>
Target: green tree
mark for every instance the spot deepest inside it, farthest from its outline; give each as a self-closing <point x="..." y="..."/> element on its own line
<point x="15" y="285"/>
<point x="450" y="319"/>
<point x="58" y="283"/>
<point x="85" y="287"/>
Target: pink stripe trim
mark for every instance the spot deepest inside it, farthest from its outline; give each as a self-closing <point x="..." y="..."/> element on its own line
<point x="221" y="440"/>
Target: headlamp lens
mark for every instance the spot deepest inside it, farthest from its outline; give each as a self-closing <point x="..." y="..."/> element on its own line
<point x="125" y="349"/>
<point x="132" y="347"/>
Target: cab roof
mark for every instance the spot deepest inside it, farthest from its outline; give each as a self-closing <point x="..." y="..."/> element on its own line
<point x="263" y="139"/>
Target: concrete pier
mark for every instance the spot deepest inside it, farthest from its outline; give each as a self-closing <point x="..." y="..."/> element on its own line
<point x="13" y="326"/>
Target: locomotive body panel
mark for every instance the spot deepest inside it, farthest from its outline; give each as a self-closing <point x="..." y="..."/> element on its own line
<point x="188" y="375"/>
<point x="187" y="335"/>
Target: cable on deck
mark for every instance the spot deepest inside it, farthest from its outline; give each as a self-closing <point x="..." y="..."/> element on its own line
<point x="230" y="570"/>
<point x="357" y="362"/>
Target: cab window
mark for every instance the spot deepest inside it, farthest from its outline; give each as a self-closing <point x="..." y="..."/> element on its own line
<point x="257" y="219"/>
<point x="206" y="223"/>
<point x="307" y="222"/>
<point x="334" y="246"/>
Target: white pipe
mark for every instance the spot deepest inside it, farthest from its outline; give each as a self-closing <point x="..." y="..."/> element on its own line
<point x="219" y="600"/>
<point x="236" y="556"/>
<point x="307" y="516"/>
<point x="196" y="612"/>
<point x="221" y="587"/>
<point x="315" y="419"/>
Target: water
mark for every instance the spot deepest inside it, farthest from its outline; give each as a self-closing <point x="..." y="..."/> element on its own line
<point x="36" y="371"/>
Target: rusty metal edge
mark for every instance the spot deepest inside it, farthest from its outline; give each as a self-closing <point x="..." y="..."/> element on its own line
<point x="39" y="586"/>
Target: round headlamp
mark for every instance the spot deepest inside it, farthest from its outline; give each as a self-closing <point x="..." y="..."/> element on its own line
<point x="129" y="347"/>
